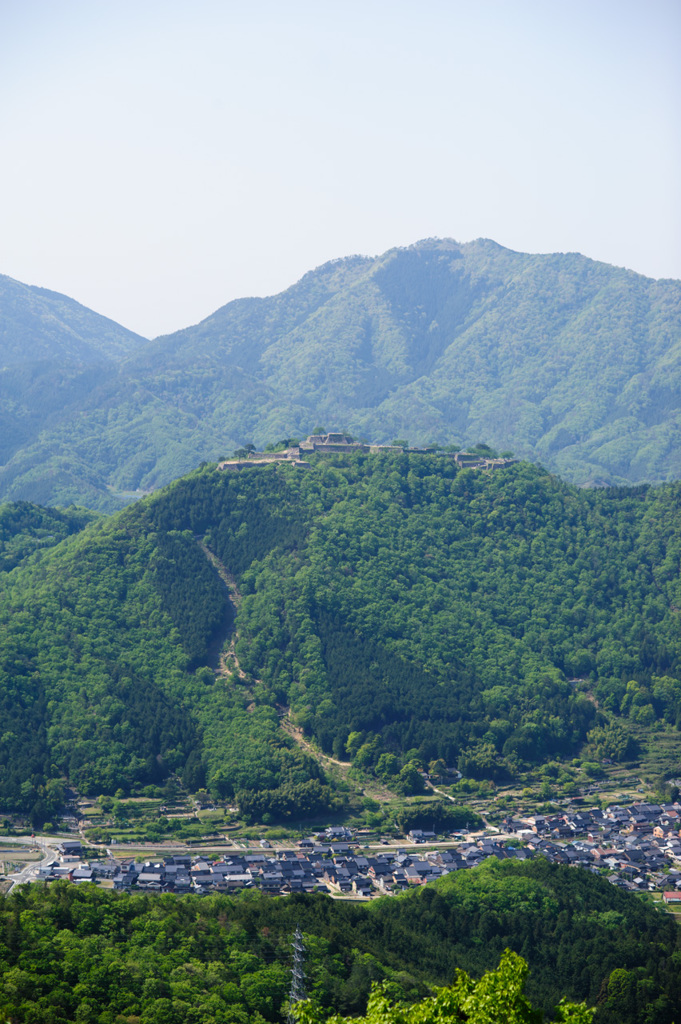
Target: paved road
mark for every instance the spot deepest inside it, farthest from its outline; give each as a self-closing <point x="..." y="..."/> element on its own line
<point x="45" y="843"/>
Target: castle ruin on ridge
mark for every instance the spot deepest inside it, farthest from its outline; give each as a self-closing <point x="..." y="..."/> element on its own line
<point x="342" y="444"/>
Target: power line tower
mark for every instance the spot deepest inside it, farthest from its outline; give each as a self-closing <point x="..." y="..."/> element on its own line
<point x="297" y="992"/>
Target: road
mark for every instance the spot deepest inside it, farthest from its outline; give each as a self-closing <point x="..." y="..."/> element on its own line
<point x="28" y="874"/>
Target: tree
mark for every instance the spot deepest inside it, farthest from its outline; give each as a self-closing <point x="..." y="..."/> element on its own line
<point x="353" y="743"/>
<point x="614" y="741"/>
<point x="497" y="998"/>
<point x="437" y="768"/>
<point x="409" y="781"/>
<point x="484" y="449"/>
<point x="387" y="766"/>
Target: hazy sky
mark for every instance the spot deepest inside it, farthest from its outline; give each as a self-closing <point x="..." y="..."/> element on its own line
<point x="162" y="158"/>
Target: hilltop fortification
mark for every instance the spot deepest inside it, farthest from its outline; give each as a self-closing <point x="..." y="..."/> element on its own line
<point x="339" y="443"/>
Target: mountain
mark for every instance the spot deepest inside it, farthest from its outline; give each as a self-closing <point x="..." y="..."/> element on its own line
<point x="38" y="326"/>
<point x="54" y="353"/>
<point x="561" y="359"/>
<point x="395" y="608"/>
<point x="398" y="608"/>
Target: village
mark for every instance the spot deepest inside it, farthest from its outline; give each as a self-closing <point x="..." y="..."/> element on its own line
<point x="637" y="846"/>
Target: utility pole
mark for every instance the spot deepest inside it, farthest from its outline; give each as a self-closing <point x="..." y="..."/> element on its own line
<point x="297" y="992"/>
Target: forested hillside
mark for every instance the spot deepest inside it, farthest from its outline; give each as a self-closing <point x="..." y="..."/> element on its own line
<point x="402" y="609"/>
<point x="78" y="953"/>
<point x="563" y="360"/>
<point x="26" y="528"/>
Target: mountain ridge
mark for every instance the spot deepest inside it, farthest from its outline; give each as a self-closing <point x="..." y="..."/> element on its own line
<point x="44" y="316"/>
<point x="565" y="360"/>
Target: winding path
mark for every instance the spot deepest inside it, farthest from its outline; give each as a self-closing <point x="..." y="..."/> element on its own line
<point x="297" y="735"/>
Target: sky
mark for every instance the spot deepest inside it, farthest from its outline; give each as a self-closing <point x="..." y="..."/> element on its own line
<point x="161" y="159"/>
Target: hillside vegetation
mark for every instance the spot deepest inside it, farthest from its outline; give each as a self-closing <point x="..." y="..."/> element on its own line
<point x="26" y="528"/>
<point x="401" y="610"/>
<point x="563" y="360"/>
<point x="77" y="953"/>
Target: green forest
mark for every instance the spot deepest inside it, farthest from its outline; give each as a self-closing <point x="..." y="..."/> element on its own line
<point x="496" y="998"/>
<point x="26" y="528"/>
<point x="77" y="953"/>
<point x="398" y="609"/>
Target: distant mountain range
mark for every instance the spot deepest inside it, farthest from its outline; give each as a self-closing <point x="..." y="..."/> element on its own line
<point x="560" y="359"/>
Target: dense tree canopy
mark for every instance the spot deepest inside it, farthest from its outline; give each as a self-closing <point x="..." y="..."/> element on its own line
<point x="405" y="611"/>
<point x="77" y="953"/>
<point x="497" y="998"/>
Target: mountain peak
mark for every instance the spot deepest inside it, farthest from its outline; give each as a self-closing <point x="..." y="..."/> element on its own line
<point x="556" y="357"/>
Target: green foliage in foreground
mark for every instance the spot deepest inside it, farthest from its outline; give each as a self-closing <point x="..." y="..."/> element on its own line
<point x="496" y="998"/>
<point x="76" y="953"/>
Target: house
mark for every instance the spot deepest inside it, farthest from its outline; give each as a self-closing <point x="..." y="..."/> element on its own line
<point x="336" y="833"/>
<point x="537" y="823"/>
<point x="361" y="886"/>
<point x="104" y="870"/>
<point x="417" y="835"/>
<point x="70" y="848"/>
<point x="520" y="853"/>
<point x="149" y="879"/>
<point x="125" y="876"/>
<point x="229" y="882"/>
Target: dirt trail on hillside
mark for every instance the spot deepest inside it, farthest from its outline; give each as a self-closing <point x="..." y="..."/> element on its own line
<point x="297" y="734"/>
<point x="225" y="576"/>
<point x="229" y="666"/>
<point x="369" y="787"/>
<point x="228" y="663"/>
